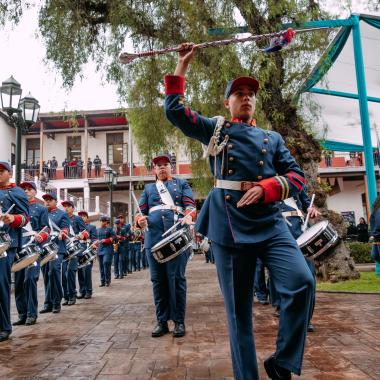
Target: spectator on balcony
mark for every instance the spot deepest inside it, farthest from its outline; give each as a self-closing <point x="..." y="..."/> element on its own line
<point x="73" y="168"/>
<point x="45" y="168"/>
<point x="376" y="156"/>
<point x="53" y="167"/>
<point x="43" y="181"/>
<point x="89" y="167"/>
<point x="65" y="165"/>
<point x="328" y="158"/>
<point x="352" y="158"/>
<point x="37" y="168"/>
<point x="80" y="168"/>
<point x="360" y="158"/>
<point x="97" y="165"/>
<point x="362" y="228"/>
<point x="173" y="162"/>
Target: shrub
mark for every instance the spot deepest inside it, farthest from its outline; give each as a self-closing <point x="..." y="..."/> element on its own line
<point x="360" y="252"/>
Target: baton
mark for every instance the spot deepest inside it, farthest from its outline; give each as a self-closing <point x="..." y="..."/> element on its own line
<point x="304" y="226"/>
<point x="6" y="212"/>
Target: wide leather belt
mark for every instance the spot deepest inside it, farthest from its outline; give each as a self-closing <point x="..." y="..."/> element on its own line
<point x="177" y="209"/>
<point x="287" y="214"/>
<point x="234" y="185"/>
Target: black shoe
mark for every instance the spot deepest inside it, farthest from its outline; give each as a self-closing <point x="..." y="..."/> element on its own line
<point x="310" y="328"/>
<point x="72" y="301"/>
<point x="87" y="296"/>
<point x="4" y="335"/>
<point x="56" y="309"/>
<point x="102" y="284"/>
<point x="20" y="322"/>
<point x="120" y="277"/>
<point x="107" y="284"/>
<point x="80" y="296"/>
<point x="277" y="312"/>
<point x="274" y="371"/>
<point x="30" y="321"/>
<point x="46" y="309"/>
<point x="179" y="330"/>
<point x="116" y="277"/>
<point x="65" y="303"/>
<point x="160" y="329"/>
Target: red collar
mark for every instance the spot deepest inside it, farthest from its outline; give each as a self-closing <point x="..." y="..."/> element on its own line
<point x="8" y="186"/>
<point x="50" y="209"/>
<point x="236" y="120"/>
<point x="32" y="202"/>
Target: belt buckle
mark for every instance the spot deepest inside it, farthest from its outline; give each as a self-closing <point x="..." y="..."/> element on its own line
<point x="246" y="185"/>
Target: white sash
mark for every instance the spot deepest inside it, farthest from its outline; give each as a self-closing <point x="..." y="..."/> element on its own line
<point x="291" y="203"/>
<point x="164" y="193"/>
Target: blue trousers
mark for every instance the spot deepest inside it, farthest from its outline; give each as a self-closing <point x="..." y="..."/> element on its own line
<point x="144" y="259"/>
<point x="54" y="293"/>
<point x="5" y="290"/>
<point x="131" y="257"/>
<point x="85" y="280"/>
<point x="69" y="271"/>
<point x="118" y="262"/>
<point x="375" y="253"/>
<point x="105" y="262"/>
<point x="259" y="283"/>
<point x="169" y="287"/>
<point x="124" y="249"/>
<point x="294" y="283"/>
<point x="45" y="276"/>
<point x="138" y="256"/>
<point x="26" y="291"/>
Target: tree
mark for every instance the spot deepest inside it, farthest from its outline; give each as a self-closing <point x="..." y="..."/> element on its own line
<point x="75" y="32"/>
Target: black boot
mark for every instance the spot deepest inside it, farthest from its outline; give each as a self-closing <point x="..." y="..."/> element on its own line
<point x="20" y="322"/>
<point x="274" y="371"/>
<point x="179" y="330"/>
<point x="160" y="329"/>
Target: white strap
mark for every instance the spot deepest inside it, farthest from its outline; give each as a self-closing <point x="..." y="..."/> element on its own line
<point x="166" y="207"/>
<point x="164" y="193"/>
<point x="291" y="203"/>
<point x="234" y="185"/>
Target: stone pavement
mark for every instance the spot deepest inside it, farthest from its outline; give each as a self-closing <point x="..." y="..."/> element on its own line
<point x="108" y="337"/>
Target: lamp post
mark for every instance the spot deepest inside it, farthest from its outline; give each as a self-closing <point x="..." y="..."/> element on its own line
<point x="22" y="113"/>
<point x="110" y="178"/>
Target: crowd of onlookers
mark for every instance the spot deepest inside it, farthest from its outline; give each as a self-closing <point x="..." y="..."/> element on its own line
<point x="354" y="158"/>
<point x="359" y="232"/>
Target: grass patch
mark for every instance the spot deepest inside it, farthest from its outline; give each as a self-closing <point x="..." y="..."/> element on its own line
<point x="368" y="283"/>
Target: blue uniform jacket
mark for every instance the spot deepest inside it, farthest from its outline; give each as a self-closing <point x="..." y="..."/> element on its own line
<point x="161" y="220"/>
<point x="251" y="154"/>
<point x="62" y="220"/>
<point x="9" y="196"/>
<point x="125" y="231"/>
<point x="77" y="224"/>
<point x="303" y="203"/>
<point x="93" y="233"/>
<point x="105" y="233"/>
<point x="375" y="224"/>
<point x="39" y="219"/>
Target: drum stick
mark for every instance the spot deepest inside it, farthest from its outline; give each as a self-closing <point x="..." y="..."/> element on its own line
<point x="138" y="206"/>
<point x="304" y="226"/>
<point x="6" y="212"/>
<point x="172" y="228"/>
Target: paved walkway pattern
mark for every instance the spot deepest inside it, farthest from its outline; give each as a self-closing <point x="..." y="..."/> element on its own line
<point x="108" y="337"/>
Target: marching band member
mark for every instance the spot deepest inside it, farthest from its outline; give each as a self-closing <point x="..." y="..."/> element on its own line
<point x="106" y="235"/>
<point x="160" y="204"/>
<point x="53" y="291"/>
<point x="138" y="237"/>
<point x="85" y="273"/>
<point x="26" y="279"/>
<point x="70" y="267"/>
<point x="124" y="238"/>
<point x="12" y="222"/>
<point x="117" y="259"/>
<point x="253" y="170"/>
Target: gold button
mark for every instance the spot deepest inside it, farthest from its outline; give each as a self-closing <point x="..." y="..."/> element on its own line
<point x="230" y="171"/>
<point x="259" y="177"/>
<point x="228" y="125"/>
<point x="227" y="197"/>
<point x="231" y="158"/>
<point x="266" y="141"/>
<point x="263" y="151"/>
<point x="261" y="163"/>
<point x="229" y="146"/>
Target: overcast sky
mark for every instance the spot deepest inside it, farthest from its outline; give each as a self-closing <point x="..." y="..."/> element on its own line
<point x="22" y="56"/>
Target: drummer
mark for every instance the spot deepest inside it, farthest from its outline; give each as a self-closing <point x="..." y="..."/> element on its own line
<point x="70" y="267"/>
<point x="124" y="237"/>
<point x="26" y="279"/>
<point x="10" y="194"/>
<point x="253" y="170"/>
<point x="162" y="204"/>
<point x="53" y="269"/>
<point x="85" y="273"/>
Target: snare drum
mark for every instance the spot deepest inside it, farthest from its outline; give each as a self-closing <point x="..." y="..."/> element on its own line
<point x="27" y="256"/>
<point x="318" y="239"/>
<point x="88" y="256"/>
<point x="74" y="247"/>
<point x="172" y="246"/>
<point x="48" y="252"/>
<point x="5" y="242"/>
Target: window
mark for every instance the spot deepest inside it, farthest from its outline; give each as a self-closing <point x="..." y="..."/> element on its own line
<point x="116" y="149"/>
<point x="74" y="147"/>
<point x="32" y="151"/>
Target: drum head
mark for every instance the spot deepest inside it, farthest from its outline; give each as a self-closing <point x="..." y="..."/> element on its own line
<point x="49" y="257"/>
<point x="310" y="233"/>
<point x="169" y="238"/>
<point x="24" y="262"/>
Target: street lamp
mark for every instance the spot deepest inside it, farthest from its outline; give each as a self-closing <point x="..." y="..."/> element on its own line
<point x="22" y="113"/>
<point x="110" y="178"/>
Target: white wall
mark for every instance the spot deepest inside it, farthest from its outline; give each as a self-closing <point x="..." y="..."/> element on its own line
<point x="8" y="136"/>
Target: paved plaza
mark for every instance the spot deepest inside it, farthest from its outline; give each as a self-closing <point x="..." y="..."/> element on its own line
<point x="108" y="337"/>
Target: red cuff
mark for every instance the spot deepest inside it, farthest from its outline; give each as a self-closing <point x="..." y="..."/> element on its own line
<point x="65" y="233"/>
<point x="19" y="221"/>
<point x="174" y="84"/>
<point x="272" y="190"/>
<point x="85" y="234"/>
<point x="107" y="241"/>
<point x="43" y="236"/>
<point x="191" y="212"/>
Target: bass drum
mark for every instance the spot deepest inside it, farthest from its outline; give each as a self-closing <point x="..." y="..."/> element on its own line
<point x="318" y="240"/>
<point x="172" y="246"/>
<point x="27" y="256"/>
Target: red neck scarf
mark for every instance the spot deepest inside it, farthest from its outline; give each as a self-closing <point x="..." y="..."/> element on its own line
<point x="236" y="120"/>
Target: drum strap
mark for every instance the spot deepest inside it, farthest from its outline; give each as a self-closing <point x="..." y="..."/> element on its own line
<point x="164" y="193"/>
